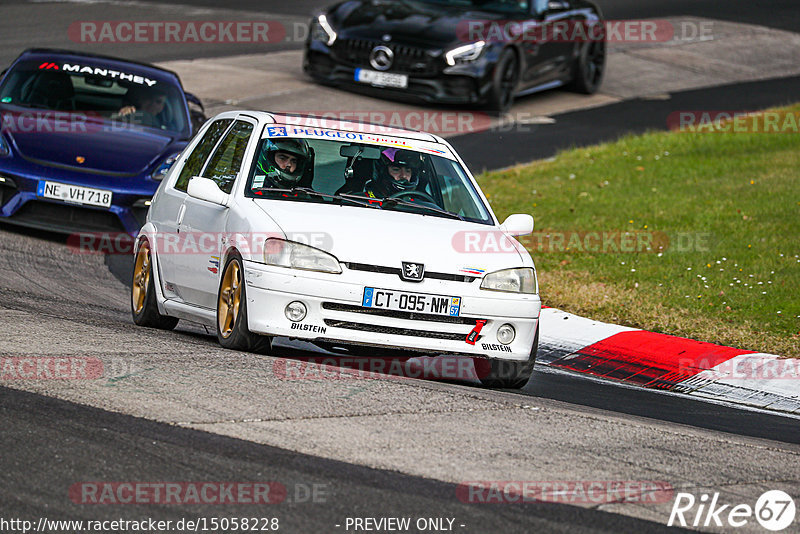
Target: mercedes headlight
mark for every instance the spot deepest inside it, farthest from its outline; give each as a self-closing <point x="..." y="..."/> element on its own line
<point x="521" y="280"/>
<point x="283" y="253"/>
<point x="321" y="30"/>
<point x="164" y="168"/>
<point x="465" y="53"/>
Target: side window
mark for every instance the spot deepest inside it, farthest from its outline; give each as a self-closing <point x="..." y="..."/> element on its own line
<point x="226" y="162"/>
<point x="194" y="163"/>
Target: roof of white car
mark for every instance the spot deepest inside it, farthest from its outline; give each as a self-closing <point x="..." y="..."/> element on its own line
<point x="330" y="123"/>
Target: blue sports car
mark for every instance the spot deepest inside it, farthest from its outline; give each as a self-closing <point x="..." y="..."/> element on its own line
<point x="86" y="139"/>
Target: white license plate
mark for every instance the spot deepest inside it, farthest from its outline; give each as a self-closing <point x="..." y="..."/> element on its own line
<point x="390" y="299"/>
<point x="75" y="194"/>
<point x="381" y="79"/>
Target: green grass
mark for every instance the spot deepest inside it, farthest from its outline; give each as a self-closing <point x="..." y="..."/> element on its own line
<point x="737" y="193"/>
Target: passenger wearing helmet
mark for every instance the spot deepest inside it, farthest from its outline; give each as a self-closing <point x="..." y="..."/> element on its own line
<point x="282" y="163"/>
<point x="396" y="171"/>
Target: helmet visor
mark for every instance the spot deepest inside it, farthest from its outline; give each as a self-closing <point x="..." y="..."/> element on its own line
<point x="288" y="157"/>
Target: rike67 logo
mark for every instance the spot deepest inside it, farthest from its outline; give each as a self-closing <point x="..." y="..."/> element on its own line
<point x="774" y="510"/>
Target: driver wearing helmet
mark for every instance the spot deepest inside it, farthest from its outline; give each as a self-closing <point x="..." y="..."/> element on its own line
<point x="397" y="171"/>
<point x="282" y="162"/>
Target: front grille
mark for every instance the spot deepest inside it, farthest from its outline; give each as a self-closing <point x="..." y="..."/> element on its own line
<point x="411" y="316"/>
<point x="395" y="331"/>
<point x="396" y="271"/>
<point x="407" y="59"/>
<point x="67" y="217"/>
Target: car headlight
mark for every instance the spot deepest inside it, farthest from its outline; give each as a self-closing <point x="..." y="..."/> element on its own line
<point x="521" y="280"/>
<point x="4" y="148"/>
<point x="164" y="168"/>
<point x="283" y="253"/>
<point x="321" y="30"/>
<point x="465" y="53"/>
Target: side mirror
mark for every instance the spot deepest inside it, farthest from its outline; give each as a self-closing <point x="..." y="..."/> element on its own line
<point x="208" y="190"/>
<point x="194" y="100"/>
<point x="197" y="112"/>
<point x="517" y="224"/>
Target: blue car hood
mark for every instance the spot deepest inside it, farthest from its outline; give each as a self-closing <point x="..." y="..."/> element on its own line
<point x="122" y="152"/>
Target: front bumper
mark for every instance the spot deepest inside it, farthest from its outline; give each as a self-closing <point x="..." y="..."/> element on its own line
<point x="22" y="204"/>
<point x="462" y="84"/>
<point x="335" y="314"/>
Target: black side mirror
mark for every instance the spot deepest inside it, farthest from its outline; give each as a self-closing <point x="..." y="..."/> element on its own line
<point x="192" y="99"/>
<point x="197" y="112"/>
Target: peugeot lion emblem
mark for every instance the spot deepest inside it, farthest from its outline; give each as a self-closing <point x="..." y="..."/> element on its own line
<point x="381" y="57"/>
<point x="412" y="272"/>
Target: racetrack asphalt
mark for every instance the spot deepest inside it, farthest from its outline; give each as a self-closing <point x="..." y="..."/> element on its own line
<point x="75" y="444"/>
<point x="495" y="149"/>
<point x="782" y="14"/>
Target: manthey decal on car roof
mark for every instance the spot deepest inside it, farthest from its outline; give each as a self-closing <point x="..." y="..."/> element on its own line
<point x="98" y="71"/>
<point x="281" y="130"/>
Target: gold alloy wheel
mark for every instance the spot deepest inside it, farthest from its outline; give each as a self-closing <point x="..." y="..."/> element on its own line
<point x="230" y="296"/>
<point x="141" y="278"/>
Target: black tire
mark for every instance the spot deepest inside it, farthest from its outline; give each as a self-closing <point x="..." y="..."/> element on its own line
<point x="504" y="83"/>
<point x="232" y="331"/>
<point x="143" y="293"/>
<point x="589" y="68"/>
<point x="505" y="374"/>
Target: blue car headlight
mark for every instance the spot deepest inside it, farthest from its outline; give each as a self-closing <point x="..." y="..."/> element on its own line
<point x="164" y="168"/>
<point x="5" y="150"/>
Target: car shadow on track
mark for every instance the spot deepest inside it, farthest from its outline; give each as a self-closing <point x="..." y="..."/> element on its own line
<point x="119" y="264"/>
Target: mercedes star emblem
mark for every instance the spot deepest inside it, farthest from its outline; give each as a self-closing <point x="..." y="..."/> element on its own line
<point x="381" y="57"/>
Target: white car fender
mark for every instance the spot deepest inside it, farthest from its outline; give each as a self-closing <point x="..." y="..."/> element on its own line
<point x="244" y="237"/>
<point x="147" y="232"/>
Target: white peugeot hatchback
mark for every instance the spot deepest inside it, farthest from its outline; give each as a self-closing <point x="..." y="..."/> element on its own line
<point x="342" y="234"/>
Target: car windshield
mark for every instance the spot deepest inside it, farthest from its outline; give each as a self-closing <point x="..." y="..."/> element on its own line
<point x="499" y="6"/>
<point x="364" y="175"/>
<point x="120" y="99"/>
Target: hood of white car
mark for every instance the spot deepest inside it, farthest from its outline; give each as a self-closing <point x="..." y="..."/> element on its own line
<point x="387" y="238"/>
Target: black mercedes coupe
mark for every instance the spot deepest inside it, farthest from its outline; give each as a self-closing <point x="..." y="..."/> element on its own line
<point x="484" y="52"/>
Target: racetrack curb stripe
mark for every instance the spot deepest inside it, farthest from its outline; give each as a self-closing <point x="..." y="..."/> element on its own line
<point x="647" y="359"/>
<point x="660" y="361"/>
